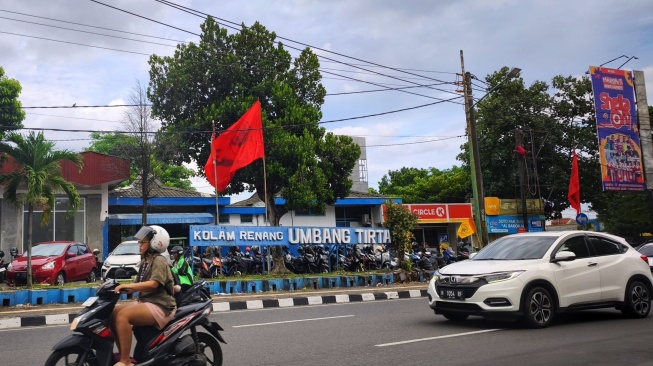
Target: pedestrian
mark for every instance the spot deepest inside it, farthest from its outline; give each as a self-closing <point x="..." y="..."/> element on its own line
<point x="156" y="304"/>
<point x="181" y="268"/>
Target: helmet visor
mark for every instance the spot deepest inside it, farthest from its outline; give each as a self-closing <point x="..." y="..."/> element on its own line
<point x="143" y="233"/>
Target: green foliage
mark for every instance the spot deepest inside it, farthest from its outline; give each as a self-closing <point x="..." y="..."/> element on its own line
<point x="129" y="147"/>
<point x="427" y="185"/>
<point x="401" y="222"/>
<point x="39" y="174"/>
<point x="219" y="78"/>
<point x="11" y="114"/>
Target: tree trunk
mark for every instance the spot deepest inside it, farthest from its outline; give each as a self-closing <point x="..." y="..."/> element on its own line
<point x="30" y="211"/>
<point x="278" y="263"/>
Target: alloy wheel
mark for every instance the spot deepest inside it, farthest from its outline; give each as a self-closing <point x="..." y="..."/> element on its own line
<point x="540" y="307"/>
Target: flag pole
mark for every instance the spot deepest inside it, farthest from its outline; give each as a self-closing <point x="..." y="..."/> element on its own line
<point x="265" y="192"/>
<point x="217" y="208"/>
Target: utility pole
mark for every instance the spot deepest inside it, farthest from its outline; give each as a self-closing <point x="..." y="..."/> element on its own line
<point x="521" y="155"/>
<point x="474" y="158"/>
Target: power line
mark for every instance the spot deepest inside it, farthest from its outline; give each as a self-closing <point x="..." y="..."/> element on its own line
<point x="75" y="43"/>
<point x="68" y="117"/>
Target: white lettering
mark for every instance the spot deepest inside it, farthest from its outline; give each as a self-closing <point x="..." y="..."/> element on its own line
<point x="243" y="235"/>
<point x="196" y="235"/>
<point x="317" y="237"/>
<point x="291" y="238"/>
<point x="206" y="235"/>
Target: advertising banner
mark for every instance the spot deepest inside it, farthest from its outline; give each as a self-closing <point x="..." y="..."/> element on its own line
<point x="510" y="224"/>
<point x="212" y="235"/>
<point x="616" y="121"/>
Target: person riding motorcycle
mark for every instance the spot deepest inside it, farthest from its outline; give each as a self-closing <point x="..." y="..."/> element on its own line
<point x="156" y="304"/>
<point x="181" y="268"/>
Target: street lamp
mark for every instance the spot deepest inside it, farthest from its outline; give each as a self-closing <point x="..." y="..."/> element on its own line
<point x="474" y="158"/>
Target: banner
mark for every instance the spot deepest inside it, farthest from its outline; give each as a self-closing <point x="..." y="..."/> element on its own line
<point x="511" y="224"/>
<point x="574" y="185"/>
<point x="465" y="229"/>
<point x="616" y="122"/>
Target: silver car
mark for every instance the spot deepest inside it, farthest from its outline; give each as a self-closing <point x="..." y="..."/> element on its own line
<point x="126" y="256"/>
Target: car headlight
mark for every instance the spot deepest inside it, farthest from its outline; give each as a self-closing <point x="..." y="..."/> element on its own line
<point x="48" y="265"/>
<point x="436" y="276"/>
<point x="501" y="276"/>
<point x="106" y="264"/>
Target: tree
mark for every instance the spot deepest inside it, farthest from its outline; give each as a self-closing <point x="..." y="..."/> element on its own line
<point x="11" y="114"/>
<point x="39" y="173"/>
<point x="427" y="185"/>
<point x="401" y="222"/>
<point x="218" y="79"/>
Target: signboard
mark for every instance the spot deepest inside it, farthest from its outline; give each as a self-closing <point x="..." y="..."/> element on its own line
<point x="582" y="219"/>
<point x="509" y="206"/>
<point x="618" y="132"/>
<point x="510" y="224"/>
<point x="441" y="212"/>
<point x="212" y="235"/>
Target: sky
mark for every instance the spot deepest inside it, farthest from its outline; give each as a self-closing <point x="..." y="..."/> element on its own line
<point x="83" y="66"/>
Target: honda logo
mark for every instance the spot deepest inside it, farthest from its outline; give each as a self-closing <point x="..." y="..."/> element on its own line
<point x="453" y="280"/>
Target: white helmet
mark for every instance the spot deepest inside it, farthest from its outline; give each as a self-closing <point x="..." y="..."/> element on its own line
<point x="159" y="237"/>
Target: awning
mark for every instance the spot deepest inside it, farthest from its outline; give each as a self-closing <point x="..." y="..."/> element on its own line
<point x="162" y="218"/>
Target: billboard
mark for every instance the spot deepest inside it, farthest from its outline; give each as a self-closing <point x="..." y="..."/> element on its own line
<point x="618" y="132"/>
<point x="509" y="224"/>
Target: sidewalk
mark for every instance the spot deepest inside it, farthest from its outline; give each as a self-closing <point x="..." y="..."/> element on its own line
<point x="59" y="314"/>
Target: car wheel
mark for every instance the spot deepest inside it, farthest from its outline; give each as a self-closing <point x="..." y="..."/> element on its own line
<point x="456" y="317"/>
<point x="60" y="280"/>
<point x="538" y="308"/>
<point x="92" y="277"/>
<point x="637" y="303"/>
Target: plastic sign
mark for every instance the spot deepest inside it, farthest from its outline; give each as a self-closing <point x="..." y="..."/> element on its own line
<point x="582" y="219"/>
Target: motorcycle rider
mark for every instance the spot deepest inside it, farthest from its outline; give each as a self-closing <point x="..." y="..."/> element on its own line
<point x="181" y="268"/>
<point x="156" y="305"/>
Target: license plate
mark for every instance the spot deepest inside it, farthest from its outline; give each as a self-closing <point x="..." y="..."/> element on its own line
<point x="21" y="275"/>
<point x="90" y="301"/>
<point x="452" y="294"/>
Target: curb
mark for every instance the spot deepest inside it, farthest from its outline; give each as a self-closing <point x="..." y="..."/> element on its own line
<point x="64" y="319"/>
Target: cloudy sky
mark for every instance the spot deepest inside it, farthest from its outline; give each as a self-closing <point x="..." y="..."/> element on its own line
<point x="60" y="56"/>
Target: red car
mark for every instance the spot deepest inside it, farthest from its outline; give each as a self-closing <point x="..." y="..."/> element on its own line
<point x="55" y="263"/>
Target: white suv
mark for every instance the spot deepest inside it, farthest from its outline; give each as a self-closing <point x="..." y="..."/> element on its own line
<point x="126" y="256"/>
<point x="534" y="276"/>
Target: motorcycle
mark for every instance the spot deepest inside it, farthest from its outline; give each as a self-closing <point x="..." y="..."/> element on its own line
<point x="92" y="340"/>
<point x="3" y="267"/>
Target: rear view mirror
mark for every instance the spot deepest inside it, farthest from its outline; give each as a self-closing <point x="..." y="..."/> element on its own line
<point x="563" y="256"/>
<point x="71" y="255"/>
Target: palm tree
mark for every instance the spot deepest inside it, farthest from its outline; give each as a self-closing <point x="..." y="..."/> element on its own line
<point x="38" y="171"/>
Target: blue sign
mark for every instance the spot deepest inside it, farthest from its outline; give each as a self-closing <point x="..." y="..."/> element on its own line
<point x="582" y="219"/>
<point x="212" y="235"/>
<point x="505" y="224"/>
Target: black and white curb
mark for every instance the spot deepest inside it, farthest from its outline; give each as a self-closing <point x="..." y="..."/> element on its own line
<point x="316" y="300"/>
<point x="65" y="319"/>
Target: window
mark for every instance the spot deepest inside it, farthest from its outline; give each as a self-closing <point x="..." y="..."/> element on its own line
<point x="59" y="227"/>
<point x="603" y="246"/>
<point x="576" y="245"/>
<point x="82" y="249"/>
<point x="246" y="218"/>
<point x="223" y="219"/>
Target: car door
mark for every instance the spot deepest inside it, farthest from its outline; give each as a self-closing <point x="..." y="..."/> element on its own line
<point x="613" y="266"/>
<point x="577" y="281"/>
<point x="86" y="261"/>
<point x="70" y="263"/>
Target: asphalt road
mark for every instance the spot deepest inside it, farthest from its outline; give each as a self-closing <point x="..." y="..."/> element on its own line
<point x="394" y="332"/>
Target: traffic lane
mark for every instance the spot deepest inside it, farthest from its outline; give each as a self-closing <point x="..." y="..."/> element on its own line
<point x="351" y="333"/>
<point x="601" y="337"/>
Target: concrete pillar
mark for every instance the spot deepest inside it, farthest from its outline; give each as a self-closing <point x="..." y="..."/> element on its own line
<point x="643" y="118"/>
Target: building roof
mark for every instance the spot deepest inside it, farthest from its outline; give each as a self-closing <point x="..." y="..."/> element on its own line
<point x="562" y="221"/>
<point x="253" y="200"/>
<point x="157" y="189"/>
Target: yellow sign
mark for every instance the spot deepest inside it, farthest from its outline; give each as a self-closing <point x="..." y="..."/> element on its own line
<point x="495" y="206"/>
<point x="466" y="229"/>
<point x="492" y="206"/>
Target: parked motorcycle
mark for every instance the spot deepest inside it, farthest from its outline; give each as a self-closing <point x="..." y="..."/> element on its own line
<point x="92" y="340"/>
<point x="3" y="267"/>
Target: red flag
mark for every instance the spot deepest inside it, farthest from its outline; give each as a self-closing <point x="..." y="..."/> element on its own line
<point x="235" y="148"/>
<point x="574" y="185"/>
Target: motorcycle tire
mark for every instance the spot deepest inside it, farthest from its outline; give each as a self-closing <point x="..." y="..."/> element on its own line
<point x="207" y="341"/>
<point x="72" y="355"/>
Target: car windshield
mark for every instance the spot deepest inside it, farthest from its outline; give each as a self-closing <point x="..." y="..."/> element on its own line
<point x="518" y="247"/>
<point x="127" y="249"/>
<point x="47" y="250"/>
<point x="646" y="250"/>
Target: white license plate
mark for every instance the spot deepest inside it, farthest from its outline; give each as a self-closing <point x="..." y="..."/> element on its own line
<point x="90" y="301"/>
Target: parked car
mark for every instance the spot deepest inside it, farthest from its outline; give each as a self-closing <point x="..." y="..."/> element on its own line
<point x="647" y="250"/>
<point x="55" y="263"/>
<point x="126" y="256"/>
<point x="534" y="276"/>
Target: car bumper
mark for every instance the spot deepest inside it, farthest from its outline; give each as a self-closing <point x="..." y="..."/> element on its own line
<point x="40" y="276"/>
<point x="110" y="272"/>
<point x="497" y="300"/>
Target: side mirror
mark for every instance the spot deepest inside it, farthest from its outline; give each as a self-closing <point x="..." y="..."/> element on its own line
<point x="71" y="255"/>
<point x="564" y="256"/>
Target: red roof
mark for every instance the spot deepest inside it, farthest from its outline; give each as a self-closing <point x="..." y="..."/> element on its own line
<point x="98" y="169"/>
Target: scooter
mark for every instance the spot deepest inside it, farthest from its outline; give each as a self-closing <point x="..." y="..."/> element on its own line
<point x="92" y="340"/>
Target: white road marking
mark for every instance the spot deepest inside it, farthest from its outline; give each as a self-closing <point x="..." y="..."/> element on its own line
<point x="433" y="338"/>
<point x="292" y="321"/>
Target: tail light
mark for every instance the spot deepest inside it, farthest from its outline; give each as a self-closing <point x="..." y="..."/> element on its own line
<point x="644" y="258"/>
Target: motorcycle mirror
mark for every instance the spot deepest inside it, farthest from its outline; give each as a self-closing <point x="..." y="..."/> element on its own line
<point x="13" y="251"/>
